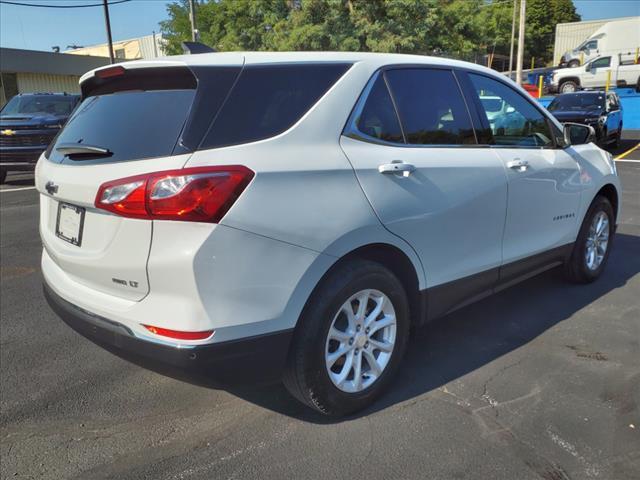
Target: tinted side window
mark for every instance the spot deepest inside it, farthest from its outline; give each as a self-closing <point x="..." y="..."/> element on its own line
<point x="267" y="100"/>
<point x="431" y="108"/>
<point x="603" y="62"/>
<point x="517" y="122"/>
<point x="378" y="118"/>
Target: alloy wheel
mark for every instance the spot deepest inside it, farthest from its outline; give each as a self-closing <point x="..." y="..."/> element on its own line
<point x="597" y="241"/>
<point x="360" y="341"/>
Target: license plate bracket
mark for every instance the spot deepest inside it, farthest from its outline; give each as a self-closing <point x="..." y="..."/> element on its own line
<point x="70" y="223"/>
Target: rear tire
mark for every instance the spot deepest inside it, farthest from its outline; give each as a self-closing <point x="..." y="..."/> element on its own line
<point x="308" y="374"/>
<point x="591" y="249"/>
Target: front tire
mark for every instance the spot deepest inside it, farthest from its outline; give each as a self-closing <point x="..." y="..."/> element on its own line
<point x="568" y="86"/>
<point x="591" y="249"/>
<point x="616" y="141"/>
<point x="350" y="339"/>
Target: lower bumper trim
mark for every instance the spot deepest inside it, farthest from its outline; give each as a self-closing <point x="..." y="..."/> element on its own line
<point x="253" y="360"/>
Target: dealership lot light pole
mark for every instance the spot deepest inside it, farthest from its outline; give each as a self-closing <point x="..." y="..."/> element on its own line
<point x="513" y="36"/>
<point x="192" y="17"/>
<point x="523" y="9"/>
<point x="108" y="25"/>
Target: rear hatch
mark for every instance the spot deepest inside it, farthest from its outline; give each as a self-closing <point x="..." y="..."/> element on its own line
<point x="131" y="121"/>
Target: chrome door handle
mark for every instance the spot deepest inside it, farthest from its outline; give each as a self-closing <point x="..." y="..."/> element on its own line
<point x="519" y="165"/>
<point x="397" y="166"/>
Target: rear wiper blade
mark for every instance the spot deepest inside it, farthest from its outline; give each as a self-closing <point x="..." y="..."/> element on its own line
<point x="80" y="149"/>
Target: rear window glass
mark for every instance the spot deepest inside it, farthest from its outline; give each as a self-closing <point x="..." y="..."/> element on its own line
<point x="132" y="125"/>
<point x="267" y="100"/>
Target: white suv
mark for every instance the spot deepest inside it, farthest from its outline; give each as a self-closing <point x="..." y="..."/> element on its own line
<point x="250" y="216"/>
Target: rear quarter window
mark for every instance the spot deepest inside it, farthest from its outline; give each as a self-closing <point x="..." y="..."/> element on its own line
<point x="267" y="100"/>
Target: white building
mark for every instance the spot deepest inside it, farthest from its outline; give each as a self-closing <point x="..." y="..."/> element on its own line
<point x="149" y="46"/>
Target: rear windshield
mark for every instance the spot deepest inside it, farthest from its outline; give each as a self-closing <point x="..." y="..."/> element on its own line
<point x="267" y="100"/>
<point x="132" y="125"/>
<point x="59" y="105"/>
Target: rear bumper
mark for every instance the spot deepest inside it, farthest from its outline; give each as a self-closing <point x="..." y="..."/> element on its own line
<point x="258" y="359"/>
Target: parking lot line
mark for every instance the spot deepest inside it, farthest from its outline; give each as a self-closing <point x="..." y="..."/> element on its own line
<point x="17" y="189"/>
<point x="624" y="154"/>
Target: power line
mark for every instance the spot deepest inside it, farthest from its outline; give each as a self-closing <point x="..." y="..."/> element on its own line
<point x="22" y="4"/>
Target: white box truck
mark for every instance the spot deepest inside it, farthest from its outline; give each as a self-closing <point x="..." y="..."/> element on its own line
<point x="612" y="38"/>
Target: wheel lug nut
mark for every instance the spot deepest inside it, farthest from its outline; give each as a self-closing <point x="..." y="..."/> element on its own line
<point x="357" y="328"/>
<point x="351" y="341"/>
<point x="357" y="351"/>
<point x="366" y="345"/>
<point x="366" y="330"/>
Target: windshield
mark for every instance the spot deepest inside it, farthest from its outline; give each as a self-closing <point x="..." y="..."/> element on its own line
<point x="577" y="101"/>
<point x="491" y="104"/>
<point x="40" y="105"/>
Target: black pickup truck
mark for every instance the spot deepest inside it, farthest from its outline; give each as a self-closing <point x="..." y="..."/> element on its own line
<point x="28" y="123"/>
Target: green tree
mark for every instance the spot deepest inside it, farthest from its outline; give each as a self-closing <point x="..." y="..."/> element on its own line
<point x="465" y="29"/>
<point x="542" y="18"/>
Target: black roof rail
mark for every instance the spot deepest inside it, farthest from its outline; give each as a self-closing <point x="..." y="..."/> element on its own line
<point x="196" y="47"/>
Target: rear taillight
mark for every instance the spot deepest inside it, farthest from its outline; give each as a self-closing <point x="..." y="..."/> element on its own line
<point x="201" y="194"/>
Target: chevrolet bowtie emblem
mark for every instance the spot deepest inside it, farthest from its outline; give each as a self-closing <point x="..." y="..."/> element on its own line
<point x="7" y="132"/>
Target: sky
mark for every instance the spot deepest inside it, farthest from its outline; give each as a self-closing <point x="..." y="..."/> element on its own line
<point x="42" y="28"/>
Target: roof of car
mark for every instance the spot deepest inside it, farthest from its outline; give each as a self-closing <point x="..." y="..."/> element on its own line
<point x="261" y="58"/>
<point x="62" y="94"/>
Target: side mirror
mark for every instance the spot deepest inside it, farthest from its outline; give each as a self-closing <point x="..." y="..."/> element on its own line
<point x="510" y="110"/>
<point x="587" y="67"/>
<point x="578" y="134"/>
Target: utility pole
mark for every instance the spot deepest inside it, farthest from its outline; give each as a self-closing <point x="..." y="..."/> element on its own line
<point x="523" y="12"/>
<point x="192" y="17"/>
<point x="513" y="36"/>
<point x="108" y="25"/>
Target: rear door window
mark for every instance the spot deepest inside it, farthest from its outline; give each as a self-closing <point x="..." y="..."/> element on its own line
<point x="431" y="107"/>
<point x="267" y="100"/>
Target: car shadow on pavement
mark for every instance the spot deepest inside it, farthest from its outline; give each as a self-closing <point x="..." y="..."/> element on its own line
<point x="469" y="338"/>
<point x="461" y="342"/>
<point x="623" y="146"/>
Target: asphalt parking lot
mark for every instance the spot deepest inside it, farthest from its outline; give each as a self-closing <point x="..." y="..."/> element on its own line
<point x="541" y="381"/>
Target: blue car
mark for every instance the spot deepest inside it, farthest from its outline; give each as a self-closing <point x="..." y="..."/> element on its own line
<point x="28" y="123"/>
<point x="598" y="109"/>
